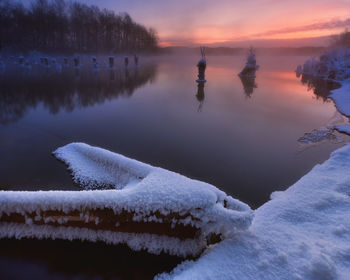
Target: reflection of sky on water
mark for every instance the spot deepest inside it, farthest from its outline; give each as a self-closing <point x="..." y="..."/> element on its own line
<point x="32" y="259"/>
<point x="246" y="146"/>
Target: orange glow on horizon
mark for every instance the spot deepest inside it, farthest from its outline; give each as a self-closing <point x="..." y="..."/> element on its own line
<point x="207" y="38"/>
<point x="274" y="24"/>
<point x="227" y="22"/>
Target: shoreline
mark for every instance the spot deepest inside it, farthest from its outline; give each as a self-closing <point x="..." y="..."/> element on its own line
<point x="291" y="234"/>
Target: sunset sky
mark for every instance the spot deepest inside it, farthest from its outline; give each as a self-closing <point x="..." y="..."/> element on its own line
<point x="191" y="22"/>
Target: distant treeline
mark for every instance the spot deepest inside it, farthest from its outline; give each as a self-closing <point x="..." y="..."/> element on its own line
<point x="243" y="51"/>
<point x="343" y="39"/>
<point x="56" y="25"/>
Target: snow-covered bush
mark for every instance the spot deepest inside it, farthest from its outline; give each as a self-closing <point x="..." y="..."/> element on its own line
<point x="333" y="64"/>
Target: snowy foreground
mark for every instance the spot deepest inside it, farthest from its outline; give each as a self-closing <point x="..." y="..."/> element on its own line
<point x="302" y="233"/>
<point x="144" y="199"/>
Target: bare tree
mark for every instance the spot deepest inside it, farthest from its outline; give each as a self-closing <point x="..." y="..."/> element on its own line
<point x="54" y="25"/>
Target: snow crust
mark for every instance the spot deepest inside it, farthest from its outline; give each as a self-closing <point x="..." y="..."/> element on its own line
<point x="139" y="188"/>
<point x="341" y="97"/>
<point x="94" y="168"/>
<point x="318" y="135"/>
<point x="343" y="128"/>
<point x="153" y="243"/>
<point x="251" y="66"/>
<point x="332" y="65"/>
<point x="301" y="233"/>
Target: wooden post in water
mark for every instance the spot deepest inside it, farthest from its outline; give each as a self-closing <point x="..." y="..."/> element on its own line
<point x="21" y="60"/>
<point x="65" y="62"/>
<point x="76" y="62"/>
<point x="2" y="66"/>
<point x="46" y="62"/>
<point x="94" y="64"/>
<point x="202" y="64"/>
<point x="126" y="61"/>
<point x="136" y="60"/>
<point x="111" y="62"/>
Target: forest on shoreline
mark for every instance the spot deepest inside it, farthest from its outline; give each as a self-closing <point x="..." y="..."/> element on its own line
<point x="61" y="26"/>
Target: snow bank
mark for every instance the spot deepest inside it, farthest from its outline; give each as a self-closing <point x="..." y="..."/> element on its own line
<point x="341" y="97"/>
<point x="332" y="65"/>
<point x="148" y="192"/>
<point x="343" y="128"/>
<point x="302" y="233"/>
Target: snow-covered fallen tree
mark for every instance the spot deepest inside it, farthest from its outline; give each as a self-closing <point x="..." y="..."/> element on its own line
<point x="148" y="208"/>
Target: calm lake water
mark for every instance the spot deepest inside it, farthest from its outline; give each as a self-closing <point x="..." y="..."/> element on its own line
<point x="239" y="138"/>
<point x="239" y="135"/>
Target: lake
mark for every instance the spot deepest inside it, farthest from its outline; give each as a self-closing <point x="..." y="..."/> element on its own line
<point x="240" y="135"/>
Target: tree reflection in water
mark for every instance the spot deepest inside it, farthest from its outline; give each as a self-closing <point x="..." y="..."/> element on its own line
<point x="22" y="89"/>
<point x="249" y="85"/>
<point x="200" y="95"/>
<point x="319" y="86"/>
<point x="322" y="89"/>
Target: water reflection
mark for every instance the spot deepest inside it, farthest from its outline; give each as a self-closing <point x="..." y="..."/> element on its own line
<point x="200" y="95"/>
<point x="319" y="86"/>
<point x="254" y="141"/>
<point x="73" y="88"/>
<point x="58" y="259"/>
<point x="249" y="85"/>
<point x="248" y="149"/>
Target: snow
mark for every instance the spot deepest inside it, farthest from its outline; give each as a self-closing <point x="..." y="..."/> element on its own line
<point x="154" y="244"/>
<point x="35" y="63"/>
<point x="138" y="188"/>
<point x="343" y="128"/>
<point x="251" y="66"/>
<point x="301" y="233"/>
<point x="94" y="167"/>
<point x="341" y="97"/>
<point x="333" y="65"/>
<point x="318" y="135"/>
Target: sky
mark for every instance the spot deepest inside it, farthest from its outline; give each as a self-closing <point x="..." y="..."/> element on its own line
<point x="236" y="22"/>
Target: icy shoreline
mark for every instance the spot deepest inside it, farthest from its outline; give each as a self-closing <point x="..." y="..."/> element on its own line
<point x="341" y="97"/>
<point x="333" y="66"/>
<point x="302" y="233"/>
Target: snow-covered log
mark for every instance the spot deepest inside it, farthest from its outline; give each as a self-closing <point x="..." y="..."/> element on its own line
<point x="147" y="208"/>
